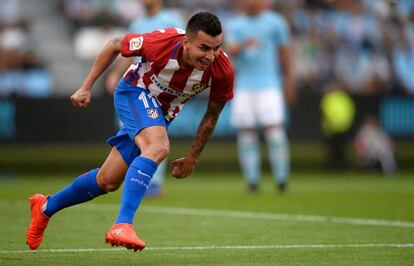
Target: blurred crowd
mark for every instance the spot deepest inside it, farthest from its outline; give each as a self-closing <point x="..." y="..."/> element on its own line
<point x="22" y="70"/>
<point x="365" y="46"/>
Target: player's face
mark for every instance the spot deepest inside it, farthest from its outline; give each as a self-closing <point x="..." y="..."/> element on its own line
<point x="149" y="4"/>
<point x="253" y="7"/>
<point x="201" y="49"/>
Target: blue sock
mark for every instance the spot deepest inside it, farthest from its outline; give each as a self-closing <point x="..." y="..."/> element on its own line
<point x="158" y="178"/>
<point x="136" y="183"/>
<point x="249" y="156"/>
<point x="279" y="154"/>
<point x="83" y="188"/>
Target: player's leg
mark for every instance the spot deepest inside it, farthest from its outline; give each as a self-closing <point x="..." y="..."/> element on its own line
<point x="155" y="188"/>
<point x="146" y="127"/>
<point x="84" y="188"/>
<point x="248" y="143"/>
<point x="279" y="158"/>
<point x="272" y="105"/>
<point x="154" y="145"/>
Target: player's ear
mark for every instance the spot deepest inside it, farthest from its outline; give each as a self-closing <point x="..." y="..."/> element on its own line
<point x="186" y="42"/>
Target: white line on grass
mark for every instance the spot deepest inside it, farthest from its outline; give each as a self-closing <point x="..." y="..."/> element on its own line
<point x="256" y="215"/>
<point x="299" y="246"/>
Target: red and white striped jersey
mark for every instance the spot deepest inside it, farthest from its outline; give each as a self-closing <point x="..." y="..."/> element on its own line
<point x="160" y="73"/>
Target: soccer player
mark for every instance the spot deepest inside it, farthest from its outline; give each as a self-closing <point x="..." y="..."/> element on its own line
<point x="157" y="18"/>
<point x="175" y="66"/>
<point x="258" y="40"/>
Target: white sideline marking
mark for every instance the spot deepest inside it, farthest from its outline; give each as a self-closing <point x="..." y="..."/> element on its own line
<point x="299" y="246"/>
<point x="256" y="215"/>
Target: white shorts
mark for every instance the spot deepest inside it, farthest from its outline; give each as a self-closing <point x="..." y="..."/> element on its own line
<point x="258" y="108"/>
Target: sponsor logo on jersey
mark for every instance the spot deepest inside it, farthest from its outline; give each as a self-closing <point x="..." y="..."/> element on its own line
<point x="168" y="90"/>
<point x="136" y="43"/>
<point x="152" y="113"/>
<point x="199" y="87"/>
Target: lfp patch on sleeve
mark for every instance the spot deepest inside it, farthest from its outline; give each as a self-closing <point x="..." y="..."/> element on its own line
<point x="136" y="43"/>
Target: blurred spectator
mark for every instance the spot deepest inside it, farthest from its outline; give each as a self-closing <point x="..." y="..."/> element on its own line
<point x="22" y="71"/>
<point x="403" y="64"/>
<point x="9" y="11"/>
<point x="87" y="13"/>
<point x="374" y="148"/>
<point x="88" y="41"/>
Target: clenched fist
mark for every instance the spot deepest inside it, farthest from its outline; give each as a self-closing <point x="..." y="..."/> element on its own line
<point x="81" y="98"/>
<point x="183" y="167"/>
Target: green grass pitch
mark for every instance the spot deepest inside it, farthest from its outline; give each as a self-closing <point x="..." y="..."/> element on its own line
<point x="324" y="219"/>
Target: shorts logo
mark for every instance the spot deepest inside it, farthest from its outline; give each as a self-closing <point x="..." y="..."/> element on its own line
<point x="152" y="113"/>
<point x="136" y="43"/>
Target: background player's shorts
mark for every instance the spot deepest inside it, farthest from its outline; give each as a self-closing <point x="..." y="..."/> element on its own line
<point x="136" y="110"/>
<point x="257" y="108"/>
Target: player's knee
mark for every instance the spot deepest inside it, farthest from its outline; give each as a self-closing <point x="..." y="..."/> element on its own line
<point x="161" y="150"/>
<point x="157" y="151"/>
<point x="107" y="184"/>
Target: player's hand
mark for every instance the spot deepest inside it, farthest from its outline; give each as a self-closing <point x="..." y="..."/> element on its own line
<point x="183" y="167"/>
<point x="250" y="43"/>
<point x="81" y="98"/>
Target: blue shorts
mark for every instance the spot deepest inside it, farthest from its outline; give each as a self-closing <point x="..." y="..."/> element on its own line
<point x="136" y="110"/>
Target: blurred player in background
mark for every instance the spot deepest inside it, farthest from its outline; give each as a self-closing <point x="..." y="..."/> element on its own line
<point x="175" y="66"/>
<point x="258" y="41"/>
<point x="374" y="147"/>
<point x="157" y="18"/>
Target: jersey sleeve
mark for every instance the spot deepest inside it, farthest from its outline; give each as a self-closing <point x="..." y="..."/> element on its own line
<point x="282" y="34"/>
<point x="222" y="85"/>
<point x="149" y="44"/>
<point x="133" y="45"/>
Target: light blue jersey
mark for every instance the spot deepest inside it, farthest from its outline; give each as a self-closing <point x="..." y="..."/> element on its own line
<point x="258" y="67"/>
<point x="163" y="19"/>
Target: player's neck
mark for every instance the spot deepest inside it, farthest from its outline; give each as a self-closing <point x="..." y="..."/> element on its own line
<point x="182" y="60"/>
<point x="254" y="12"/>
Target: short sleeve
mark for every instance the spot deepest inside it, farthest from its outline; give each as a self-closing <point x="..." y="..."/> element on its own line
<point x="282" y="34"/>
<point x="222" y="86"/>
<point x="133" y="45"/>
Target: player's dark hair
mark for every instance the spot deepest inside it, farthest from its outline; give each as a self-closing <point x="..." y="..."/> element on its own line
<point x="204" y="21"/>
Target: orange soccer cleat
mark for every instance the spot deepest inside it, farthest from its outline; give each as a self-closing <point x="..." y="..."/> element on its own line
<point x="124" y="235"/>
<point x="34" y="235"/>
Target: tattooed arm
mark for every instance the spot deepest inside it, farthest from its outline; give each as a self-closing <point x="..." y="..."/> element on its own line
<point x="183" y="167"/>
<point x="82" y="97"/>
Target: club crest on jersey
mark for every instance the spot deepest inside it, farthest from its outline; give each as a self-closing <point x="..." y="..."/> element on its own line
<point x="199" y="87"/>
<point x="152" y="113"/>
<point x="136" y="43"/>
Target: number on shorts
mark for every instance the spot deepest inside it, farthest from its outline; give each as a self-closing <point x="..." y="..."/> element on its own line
<point x="143" y="98"/>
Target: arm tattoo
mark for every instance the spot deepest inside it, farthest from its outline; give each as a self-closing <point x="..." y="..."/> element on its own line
<point x="206" y="128"/>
